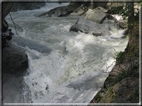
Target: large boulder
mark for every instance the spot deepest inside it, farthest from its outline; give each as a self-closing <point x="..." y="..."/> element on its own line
<point x="87" y="26"/>
<point x="14" y="61"/>
<point x="96" y="14"/>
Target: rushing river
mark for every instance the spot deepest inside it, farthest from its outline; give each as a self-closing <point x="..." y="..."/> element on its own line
<point x="64" y="67"/>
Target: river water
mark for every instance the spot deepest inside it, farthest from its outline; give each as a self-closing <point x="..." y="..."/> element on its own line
<point x="64" y="67"/>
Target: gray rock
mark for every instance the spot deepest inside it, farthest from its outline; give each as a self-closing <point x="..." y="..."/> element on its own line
<point x="90" y="27"/>
<point x="123" y="24"/>
<point x="96" y="14"/>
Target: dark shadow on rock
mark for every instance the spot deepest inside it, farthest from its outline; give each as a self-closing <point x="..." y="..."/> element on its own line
<point x="14" y="61"/>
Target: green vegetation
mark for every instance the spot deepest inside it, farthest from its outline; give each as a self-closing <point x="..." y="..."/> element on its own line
<point x="98" y="97"/>
<point x="110" y="92"/>
<point x="119" y="55"/>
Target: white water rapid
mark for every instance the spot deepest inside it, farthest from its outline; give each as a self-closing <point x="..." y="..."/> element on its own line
<point x="64" y="67"/>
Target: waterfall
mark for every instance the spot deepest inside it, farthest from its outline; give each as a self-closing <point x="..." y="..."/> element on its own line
<point x="64" y="67"/>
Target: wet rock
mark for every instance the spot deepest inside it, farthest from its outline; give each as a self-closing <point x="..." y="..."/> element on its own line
<point x="14" y="61"/>
<point x="90" y="27"/>
<point x="123" y="24"/>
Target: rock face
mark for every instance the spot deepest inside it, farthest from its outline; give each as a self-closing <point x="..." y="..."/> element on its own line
<point x="14" y="61"/>
<point x="91" y="27"/>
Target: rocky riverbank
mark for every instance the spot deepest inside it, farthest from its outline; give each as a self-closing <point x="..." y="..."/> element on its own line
<point x="122" y="84"/>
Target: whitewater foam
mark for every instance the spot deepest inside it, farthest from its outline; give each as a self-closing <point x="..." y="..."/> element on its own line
<point x="64" y="66"/>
